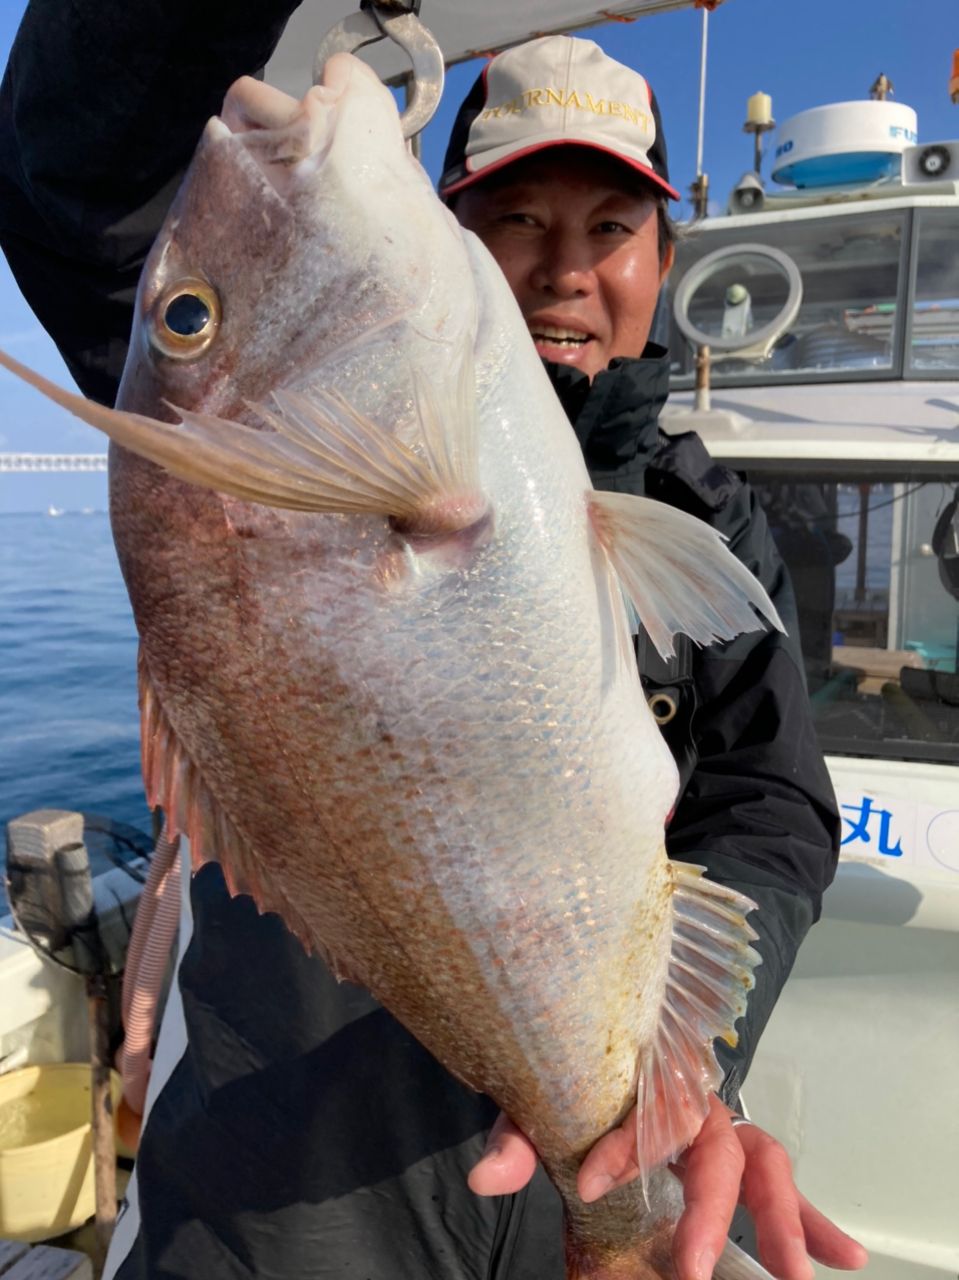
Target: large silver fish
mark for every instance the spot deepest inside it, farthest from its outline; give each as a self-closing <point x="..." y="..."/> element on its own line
<point x="387" y="674"/>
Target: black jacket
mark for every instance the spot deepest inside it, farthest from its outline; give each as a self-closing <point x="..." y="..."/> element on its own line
<point x="756" y="806"/>
<point x="303" y="1133"/>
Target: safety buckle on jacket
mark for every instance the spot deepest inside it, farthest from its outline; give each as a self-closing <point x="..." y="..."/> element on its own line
<point x="400" y="23"/>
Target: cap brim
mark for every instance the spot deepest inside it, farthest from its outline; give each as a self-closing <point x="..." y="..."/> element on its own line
<point x="470" y="179"/>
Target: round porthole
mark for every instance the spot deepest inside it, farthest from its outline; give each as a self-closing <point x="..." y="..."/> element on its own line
<point x="663" y="706"/>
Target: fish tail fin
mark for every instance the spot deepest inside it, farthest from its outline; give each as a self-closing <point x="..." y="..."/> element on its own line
<point x="709" y="976"/>
<point x="677" y="572"/>
<point x="735" y="1264"/>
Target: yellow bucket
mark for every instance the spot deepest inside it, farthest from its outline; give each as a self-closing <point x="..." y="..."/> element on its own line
<point x="46" y="1150"/>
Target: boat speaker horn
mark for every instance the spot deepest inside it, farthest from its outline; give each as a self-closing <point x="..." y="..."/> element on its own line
<point x="748" y="195"/>
<point x="931" y="162"/>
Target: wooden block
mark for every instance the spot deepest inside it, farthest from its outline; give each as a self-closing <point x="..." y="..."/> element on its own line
<point x="10" y="1252"/>
<point x="879" y="664"/>
<point x="45" y="1263"/>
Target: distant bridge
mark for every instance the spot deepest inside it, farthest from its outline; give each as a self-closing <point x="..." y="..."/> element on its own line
<point x="53" y="462"/>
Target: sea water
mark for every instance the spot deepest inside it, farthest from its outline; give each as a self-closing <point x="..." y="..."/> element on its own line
<point x="69" y="728"/>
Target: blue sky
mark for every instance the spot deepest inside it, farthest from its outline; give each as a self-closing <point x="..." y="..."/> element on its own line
<point x="803" y="54"/>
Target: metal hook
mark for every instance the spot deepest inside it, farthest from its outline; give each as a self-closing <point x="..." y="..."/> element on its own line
<point x="376" y="19"/>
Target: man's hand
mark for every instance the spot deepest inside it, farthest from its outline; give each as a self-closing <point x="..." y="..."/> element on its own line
<point x="722" y="1166"/>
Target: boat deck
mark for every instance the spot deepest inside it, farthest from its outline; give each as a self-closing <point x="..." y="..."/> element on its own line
<point x="42" y="1262"/>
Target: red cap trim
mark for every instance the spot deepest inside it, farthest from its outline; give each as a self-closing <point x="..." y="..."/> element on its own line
<point x="472" y="178"/>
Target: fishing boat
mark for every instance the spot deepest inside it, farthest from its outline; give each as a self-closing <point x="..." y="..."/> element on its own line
<point x="814" y="333"/>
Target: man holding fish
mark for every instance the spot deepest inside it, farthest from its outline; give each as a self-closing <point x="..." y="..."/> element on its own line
<point x="296" y="1129"/>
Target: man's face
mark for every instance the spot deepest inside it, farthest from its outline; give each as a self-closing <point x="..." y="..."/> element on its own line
<point x="577" y="242"/>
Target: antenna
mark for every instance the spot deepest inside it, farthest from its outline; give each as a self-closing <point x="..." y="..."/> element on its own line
<point x="882" y="88"/>
<point x="759" y="120"/>
<point x="700" y="187"/>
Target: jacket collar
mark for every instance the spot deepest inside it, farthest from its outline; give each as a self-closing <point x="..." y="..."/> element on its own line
<point x="615" y="416"/>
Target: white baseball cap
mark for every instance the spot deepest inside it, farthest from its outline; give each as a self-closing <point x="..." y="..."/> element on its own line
<point x="551" y="92"/>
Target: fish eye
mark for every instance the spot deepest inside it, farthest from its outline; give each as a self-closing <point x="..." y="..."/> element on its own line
<point x="185" y="319"/>
<point x="187" y="315"/>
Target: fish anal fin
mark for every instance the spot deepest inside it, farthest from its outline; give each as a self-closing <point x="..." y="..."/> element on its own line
<point x="174" y="783"/>
<point x="677" y="571"/>
<point x="709" y="976"/>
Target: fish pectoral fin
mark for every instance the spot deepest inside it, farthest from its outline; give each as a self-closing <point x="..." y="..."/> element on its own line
<point x="710" y="974"/>
<point x="677" y="572"/>
<point x="318" y="454"/>
<point x="427" y="482"/>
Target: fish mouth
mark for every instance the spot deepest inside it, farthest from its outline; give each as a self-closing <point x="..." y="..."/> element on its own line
<point x="287" y="138"/>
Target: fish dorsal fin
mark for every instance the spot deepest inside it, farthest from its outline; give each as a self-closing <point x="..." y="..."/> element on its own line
<point x="174" y="783"/>
<point x="677" y="571"/>
<point x="710" y="973"/>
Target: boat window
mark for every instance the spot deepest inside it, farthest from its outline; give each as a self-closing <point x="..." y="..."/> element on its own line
<point x="934" y="336"/>
<point x="850" y="268"/>
<point x="875" y="567"/>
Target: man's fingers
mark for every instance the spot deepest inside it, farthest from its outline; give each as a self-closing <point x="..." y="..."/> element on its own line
<point x="711" y="1180"/>
<point x="789" y="1230"/>
<point x="773" y="1201"/>
<point x="507" y="1164"/>
<point x="719" y="1163"/>
<point x="827" y="1243"/>
<point x="611" y="1163"/>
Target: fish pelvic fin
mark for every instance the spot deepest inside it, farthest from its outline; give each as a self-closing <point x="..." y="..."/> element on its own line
<point x="709" y="976"/>
<point x="316" y="452"/>
<point x="677" y="572"/>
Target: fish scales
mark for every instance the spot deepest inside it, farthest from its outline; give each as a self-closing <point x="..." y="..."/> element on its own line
<point x="480" y="814"/>
<point x="387" y="674"/>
